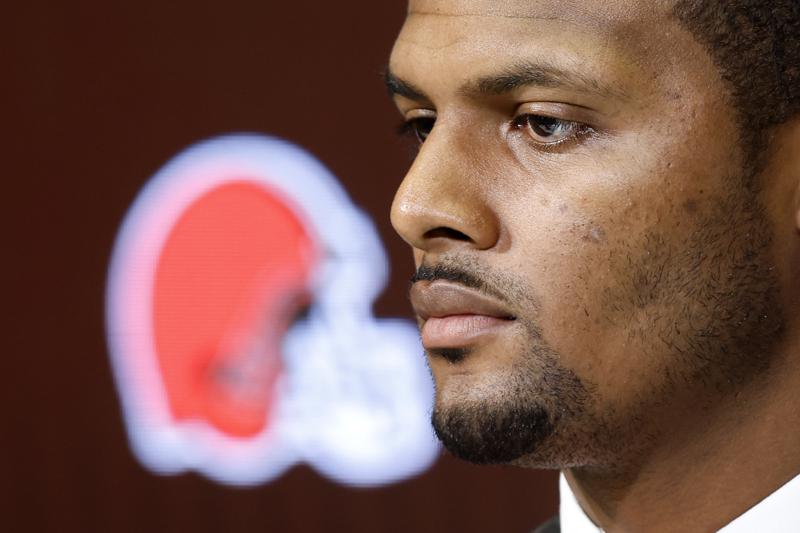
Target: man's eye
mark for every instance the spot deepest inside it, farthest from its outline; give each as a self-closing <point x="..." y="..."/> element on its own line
<point x="549" y="130"/>
<point x="419" y="128"/>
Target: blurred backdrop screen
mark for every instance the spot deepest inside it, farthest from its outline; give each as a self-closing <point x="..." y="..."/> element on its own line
<point x="209" y="322"/>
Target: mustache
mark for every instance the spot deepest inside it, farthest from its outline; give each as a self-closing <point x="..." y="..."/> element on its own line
<point x="457" y="274"/>
<point x="447" y="273"/>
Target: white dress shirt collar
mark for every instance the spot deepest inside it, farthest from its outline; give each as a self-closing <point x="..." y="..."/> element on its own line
<point x="777" y="513"/>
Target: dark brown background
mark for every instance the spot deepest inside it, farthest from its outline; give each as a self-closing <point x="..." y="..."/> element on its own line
<point x="97" y="96"/>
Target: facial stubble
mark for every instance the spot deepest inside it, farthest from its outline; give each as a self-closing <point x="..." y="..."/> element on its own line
<point x="713" y="318"/>
<point x="512" y="415"/>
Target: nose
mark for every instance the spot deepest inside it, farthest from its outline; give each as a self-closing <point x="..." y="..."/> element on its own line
<point x="442" y="203"/>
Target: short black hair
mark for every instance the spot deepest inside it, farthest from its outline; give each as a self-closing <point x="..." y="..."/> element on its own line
<point x="756" y="46"/>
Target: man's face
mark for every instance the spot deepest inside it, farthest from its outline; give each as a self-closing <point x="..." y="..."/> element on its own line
<point x="593" y="260"/>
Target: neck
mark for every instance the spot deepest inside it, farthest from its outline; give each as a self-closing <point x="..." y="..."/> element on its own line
<point x="705" y="470"/>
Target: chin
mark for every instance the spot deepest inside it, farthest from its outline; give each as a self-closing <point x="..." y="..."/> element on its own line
<point x="492" y="430"/>
<point x="503" y="412"/>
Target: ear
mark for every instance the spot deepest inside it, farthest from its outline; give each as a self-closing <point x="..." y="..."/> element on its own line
<point x="778" y="191"/>
<point x="785" y="159"/>
<point x="779" y="179"/>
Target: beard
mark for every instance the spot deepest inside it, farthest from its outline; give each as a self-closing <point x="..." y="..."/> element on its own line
<point x="518" y="414"/>
<point x="703" y="305"/>
<point x="520" y="421"/>
<point x="496" y="434"/>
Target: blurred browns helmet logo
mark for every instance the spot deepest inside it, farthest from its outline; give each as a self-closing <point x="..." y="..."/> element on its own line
<point x="240" y="326"/>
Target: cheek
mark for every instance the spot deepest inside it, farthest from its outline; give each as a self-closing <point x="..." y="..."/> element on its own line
<point x="591" y="235"/>
<point x="574" y="276"/>
<point x="579" y="263"/>
<point x="582" y="314"/>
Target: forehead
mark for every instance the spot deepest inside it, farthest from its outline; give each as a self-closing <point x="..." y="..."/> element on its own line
<point x="624" y="39"/>
<point x="584" y="12"/>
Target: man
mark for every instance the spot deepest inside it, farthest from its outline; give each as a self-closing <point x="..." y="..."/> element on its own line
<point x="605" y="218"/>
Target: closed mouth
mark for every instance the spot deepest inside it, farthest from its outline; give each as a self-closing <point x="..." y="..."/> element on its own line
<point x="454" y="316"/>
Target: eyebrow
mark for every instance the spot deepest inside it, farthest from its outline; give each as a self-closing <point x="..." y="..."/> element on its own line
<point x="536" y="74"/>
<point x="512" y="78"/>
<point x="399" y="87"/>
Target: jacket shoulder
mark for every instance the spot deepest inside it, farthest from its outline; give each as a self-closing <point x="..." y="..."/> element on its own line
<point x="551" y="526"/>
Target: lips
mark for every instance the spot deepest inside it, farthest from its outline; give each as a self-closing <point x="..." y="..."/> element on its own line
<point x="455" y="316"/>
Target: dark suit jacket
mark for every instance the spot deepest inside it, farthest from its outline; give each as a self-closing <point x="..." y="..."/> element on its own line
<point x="551" y="526"/>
